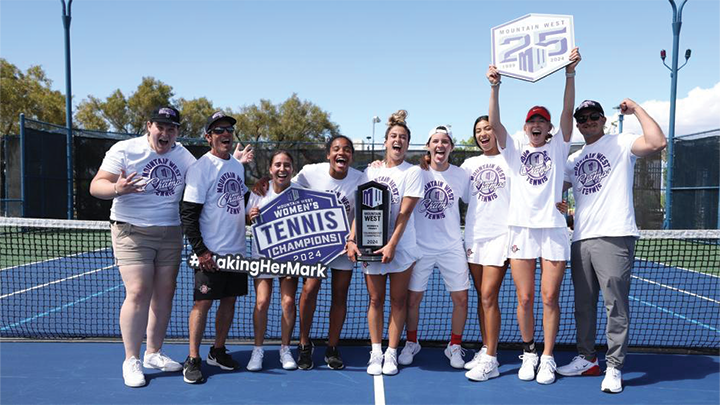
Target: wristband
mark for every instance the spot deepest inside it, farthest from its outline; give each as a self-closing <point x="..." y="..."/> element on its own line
<point x="350" y="240"/>
<point x="495" y="84"/>
<point x="570" y="74"/>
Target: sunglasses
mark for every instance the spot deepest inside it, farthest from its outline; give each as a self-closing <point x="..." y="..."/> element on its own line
<point x="593" y="117"/>
<point x="221" y="130"/>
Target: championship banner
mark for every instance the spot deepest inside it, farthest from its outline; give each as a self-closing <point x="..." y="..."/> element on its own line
<point x="302" y="225"/>
<point x="533" y="46"/>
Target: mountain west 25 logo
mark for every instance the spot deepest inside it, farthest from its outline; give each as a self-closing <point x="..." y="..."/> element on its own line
<point x="533" y="46"/>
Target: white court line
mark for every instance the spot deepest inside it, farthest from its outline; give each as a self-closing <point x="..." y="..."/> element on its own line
<point x="54" y="258"/>
<point x="678" y="267"/>
<point x="55" y="282"/>
<point x="677" y="289"/>
<point x="379" y="390"/>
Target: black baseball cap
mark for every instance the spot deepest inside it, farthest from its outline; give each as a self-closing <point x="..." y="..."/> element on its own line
<point x="217" y="116"/>
<point x="166" y="115"/>
<point x="588" y="105"/>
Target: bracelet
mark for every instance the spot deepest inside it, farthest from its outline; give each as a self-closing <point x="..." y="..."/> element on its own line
<point x="350" y="240"/>
<point x="115" y="188"/>
<point x="570" y="74"/>
<point x="495" y="84"/>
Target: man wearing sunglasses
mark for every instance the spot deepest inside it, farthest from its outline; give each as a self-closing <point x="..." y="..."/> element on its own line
<point x="602" y="252"/>
<point x="213" y="218"/>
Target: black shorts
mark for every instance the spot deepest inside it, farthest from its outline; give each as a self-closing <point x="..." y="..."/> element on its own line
<point x="219" y="284"/>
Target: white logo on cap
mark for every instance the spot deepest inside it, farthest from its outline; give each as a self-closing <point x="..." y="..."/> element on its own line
<point x="218" y="114"/>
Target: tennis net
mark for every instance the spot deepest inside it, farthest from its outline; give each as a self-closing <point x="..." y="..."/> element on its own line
<point x="58" y="280"/>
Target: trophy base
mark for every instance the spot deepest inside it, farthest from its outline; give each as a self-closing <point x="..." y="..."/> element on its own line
<point x="370" y="258"/>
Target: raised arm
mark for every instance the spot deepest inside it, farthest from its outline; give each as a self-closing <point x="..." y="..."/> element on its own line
<point x="653" y="139"/>
<point x="493" y="77"/>
<point x="566" y="119"/>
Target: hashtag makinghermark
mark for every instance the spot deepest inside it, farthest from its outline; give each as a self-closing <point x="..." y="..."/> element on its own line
<point x="263" y="266"/>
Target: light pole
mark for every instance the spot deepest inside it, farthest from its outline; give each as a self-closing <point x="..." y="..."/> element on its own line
<point x="676" y="24"/>
<point x="620" y="119"/>
<point x="375" y="120"/>
<point x="66" y="17"/>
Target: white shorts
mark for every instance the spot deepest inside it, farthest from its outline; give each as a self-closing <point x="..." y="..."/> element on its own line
<point x="488" y="252"/>
<point x="453" y="268"/>
<point x="531" y="243"/>
<point x="341" y="263"/>
<point x="402" y="261"/>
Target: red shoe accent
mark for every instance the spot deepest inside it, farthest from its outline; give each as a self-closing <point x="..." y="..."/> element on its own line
<point x="594" y="370"/>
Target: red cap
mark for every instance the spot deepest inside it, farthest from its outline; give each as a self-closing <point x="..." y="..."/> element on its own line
<point x="538" y="110"/>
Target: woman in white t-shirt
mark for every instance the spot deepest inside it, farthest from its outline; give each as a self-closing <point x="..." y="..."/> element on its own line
<point x="437" y="223"/>
<point x="486" y="237"/>
<point x="400" y="253"/>
<point x="334" y="176"/>
<point x="145" y="177"/>
<point x="281" y="171"/>
<point x="537" y="229"/>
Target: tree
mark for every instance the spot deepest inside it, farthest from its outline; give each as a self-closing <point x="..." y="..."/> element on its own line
<point x="29" y="93"/>
<point x="124" y="114"/>
<point x="194" y="114"/>
<point x="287" y="125"/>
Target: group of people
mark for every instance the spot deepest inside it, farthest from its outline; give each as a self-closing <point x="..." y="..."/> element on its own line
<point x="515" y="216"/>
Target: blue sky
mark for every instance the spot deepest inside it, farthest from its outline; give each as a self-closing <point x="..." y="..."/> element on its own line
<point x="357" y="59"/>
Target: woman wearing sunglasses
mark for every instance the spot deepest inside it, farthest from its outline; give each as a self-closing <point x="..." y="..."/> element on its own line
<point x="335" y="176"/>
<point x="537" y="229"/>
<point x="437" y="221"/>
<point x="281" y="171"/>
<point x="400" y="253"/>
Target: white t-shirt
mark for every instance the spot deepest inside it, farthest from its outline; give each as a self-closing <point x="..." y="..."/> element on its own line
<point x="219" y="185"/>
<point x="317" y="177"/>
<point x="602" y="178"/>
<point x="488" y="197"/>
<point x="261" y="201"/>
<point x="437" y="214"/>
<point x="404" y="180"/>
<point x="537" y="180"/>
<point x="158" y="205"/>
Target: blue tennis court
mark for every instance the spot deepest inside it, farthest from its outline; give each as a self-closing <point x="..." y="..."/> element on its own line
<point x="59" y="284"/>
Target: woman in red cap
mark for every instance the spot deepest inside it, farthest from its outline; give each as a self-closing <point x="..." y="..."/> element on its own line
<point x="537" y="228"/>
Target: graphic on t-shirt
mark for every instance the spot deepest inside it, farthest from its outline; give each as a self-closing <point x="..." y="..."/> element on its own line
<point x="535" y="165"/>
<point x="231" y="190"/>
<point x="590" y="171"/>
<point x="390" y="183"/>
<point x="162" y="176"/>
<point x="342" y="199"/>
<point x="438" y="197"/>
<point x="486" y="179"/>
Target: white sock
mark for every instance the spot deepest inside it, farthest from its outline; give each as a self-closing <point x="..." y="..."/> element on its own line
<point x="391" y="350"/>
<point x="377" y="347"/>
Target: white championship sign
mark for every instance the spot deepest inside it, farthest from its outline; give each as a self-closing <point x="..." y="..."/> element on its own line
<point x="533" y="46"/>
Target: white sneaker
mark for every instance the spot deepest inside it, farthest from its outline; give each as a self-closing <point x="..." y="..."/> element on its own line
<point x="256" y="359"/>
<point x="612" y="382"/>
<point x="527" y="370"/>
<point x="160" y="361"/>
<point x="476" y="360"/>
<point x="375" y="366"/>
<point x="486" y="369"/>
<point x="455" y="353"/>
<point x="546" y="372"/>
<point x="408" y="353"/>
<point x="390" y="363"/>
<point x="286" y="359"/>
<point x="132" y="372"/>
<point x="580" y="366"/>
